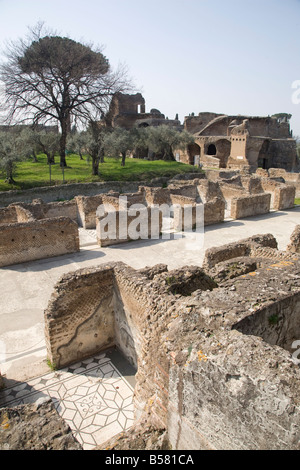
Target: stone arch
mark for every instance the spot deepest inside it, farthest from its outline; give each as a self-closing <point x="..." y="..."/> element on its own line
<point x="211" y="150"/>
<point x="223" y="148"/>
<point x="194" y="153"/>
<point x="263" y="159"/>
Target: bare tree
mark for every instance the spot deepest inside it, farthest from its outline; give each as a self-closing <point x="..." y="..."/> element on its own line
<point x="56" y="79"/>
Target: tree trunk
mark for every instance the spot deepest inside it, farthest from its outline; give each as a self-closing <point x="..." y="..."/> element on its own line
<point x="50" y="158"/>
<point x="95" y="164"/>
<point x="62" y="144"/>
<point x="123" y="158"/>
<point x="35" y="160"/>
<point x="9" y="174"/>
<point x="168" y="154"/>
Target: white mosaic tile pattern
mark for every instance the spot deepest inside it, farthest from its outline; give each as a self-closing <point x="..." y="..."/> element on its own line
<point x="91" y="396"/>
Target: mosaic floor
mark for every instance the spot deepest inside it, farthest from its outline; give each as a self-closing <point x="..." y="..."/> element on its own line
<point x="92" y="396"/>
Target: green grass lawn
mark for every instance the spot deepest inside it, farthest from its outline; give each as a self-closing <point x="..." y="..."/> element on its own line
<point x="30" y="174"/>
<point x="297" y="201"/>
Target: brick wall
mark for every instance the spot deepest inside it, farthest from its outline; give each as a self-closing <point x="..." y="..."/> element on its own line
<point x="79" y="319"/>
<point x="248" y="206"/>
<point x="22" y="242"/>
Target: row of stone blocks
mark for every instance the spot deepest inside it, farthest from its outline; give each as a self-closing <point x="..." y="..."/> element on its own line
<point x="40" y="230"/>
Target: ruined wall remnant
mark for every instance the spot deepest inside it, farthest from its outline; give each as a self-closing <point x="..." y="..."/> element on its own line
<point x="288" y="178"/>
<point x="119" y="217"/>
<point x="118" y="223"/>
<point x="79" y="320"/>
<point x="239" y="249"/>
<point x="8" y="215"/>
<point x="215" y="368"/>
<point x="35" y="426"/>
<point x="294" y="245"/>
<point x="241" y="142"/>
<point x="86" y="210"/>
<point x="37" y="239"/>
<point x="250" y="205"/>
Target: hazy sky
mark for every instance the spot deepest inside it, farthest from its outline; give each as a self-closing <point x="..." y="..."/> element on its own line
<point x="231" y="57"/>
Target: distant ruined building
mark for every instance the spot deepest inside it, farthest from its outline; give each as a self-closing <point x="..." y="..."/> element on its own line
<point x="240" y="142"/>
<point x="129" y="111"/>
<point x="221" y="141"/>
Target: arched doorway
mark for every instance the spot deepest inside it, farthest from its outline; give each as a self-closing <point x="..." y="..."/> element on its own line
<point x="194" y="153"/>
<point x="223" y="151"/>
<point x="263" y="159"/>
<point x="211" y="150"/>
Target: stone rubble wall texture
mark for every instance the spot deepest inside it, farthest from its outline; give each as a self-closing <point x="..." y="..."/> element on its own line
<point x="86" y="210"/>
<point x="8" y="215"/>
<point x="250" y="205"/>
<point x="287" y="177"/>
<point x="294" y="245"/>
<point x="214" y="365"/>
<point x="37" y="239"/>
<point x="118" y="226"/>
<point x="66" y="191"/>
<point x="35" y="427"/>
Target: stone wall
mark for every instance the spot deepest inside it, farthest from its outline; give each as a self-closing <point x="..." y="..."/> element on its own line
<point x="79" y="319"/>
<point x="294" y="245"/>
<point x="223" y="194"/>
<point x="232" y="396"/>
<point x="250" y="205"/>
<point x="38" y="210"/>
<point x="277" y="324"/>
<point x="22" y="242"/>
<point x="36" y="426"/>
<point x="8" y="215"/>
<point x="86" y="210"/>
<point x="239" y="249"/>
<point x="286" y="177"/>
<point x="120" y="226"/>
<point x="66" y="191"/>
<point x="282" y="195"/>
<point x="203" y="374"/>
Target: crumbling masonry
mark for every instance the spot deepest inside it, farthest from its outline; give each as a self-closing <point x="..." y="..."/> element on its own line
<point x="213" y="347"/>
<point x="36" y="230"/>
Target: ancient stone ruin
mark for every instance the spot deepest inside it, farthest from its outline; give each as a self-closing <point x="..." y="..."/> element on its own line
<point x="213" y="347"/>
<point x="36" y="230"/>
<point x="240" y="142"/>
<point x="221" y="141"/>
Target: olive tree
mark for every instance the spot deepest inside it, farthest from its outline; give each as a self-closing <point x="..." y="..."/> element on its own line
<point x="41" y="141"/>
<point x="91" y="142"/>
<point x="119" y="143"/>
<point x="58" y="80"/>
<point x="164" y="140"/>
<point x="13" y="149"/>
